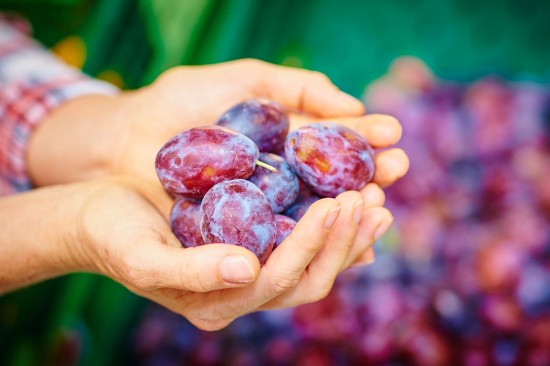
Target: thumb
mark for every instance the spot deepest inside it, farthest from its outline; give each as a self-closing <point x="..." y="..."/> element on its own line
<point x="198" y="269"/>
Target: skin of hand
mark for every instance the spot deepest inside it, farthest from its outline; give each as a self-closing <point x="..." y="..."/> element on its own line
<point x="116" y="231"/>
<point x="97" y="136"/>
<point x="93" y="136"/>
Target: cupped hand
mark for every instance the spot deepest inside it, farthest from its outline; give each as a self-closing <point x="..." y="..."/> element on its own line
<point x="121" y="233"/>
<point x="191" y="96"/>
<point x="98" y="135"/>
<point x="131" y="242"/>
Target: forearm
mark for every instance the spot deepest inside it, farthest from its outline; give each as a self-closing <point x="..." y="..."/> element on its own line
<point x="73" y="142"/>
<point x="33" y="83"/>
<point x="36" y="231"/>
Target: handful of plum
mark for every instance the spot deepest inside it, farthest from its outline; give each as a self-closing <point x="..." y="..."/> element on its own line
<point x="233" y="186"/>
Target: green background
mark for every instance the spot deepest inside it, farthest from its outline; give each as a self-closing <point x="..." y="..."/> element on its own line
<point x="353" y="42"/>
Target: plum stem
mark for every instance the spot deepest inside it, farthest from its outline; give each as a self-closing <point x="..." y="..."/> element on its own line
<point x="267" y="166"/>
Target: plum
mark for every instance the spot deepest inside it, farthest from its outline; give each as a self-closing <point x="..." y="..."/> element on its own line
<point x="184" y="221"/>
<point x="194" y="160"/>
<point x="280" y="188"/>
<point x="264" y="121"/>
<point x="285" y="225"/>
<point x="237" y="212"/>
<point x="330" y="158"/>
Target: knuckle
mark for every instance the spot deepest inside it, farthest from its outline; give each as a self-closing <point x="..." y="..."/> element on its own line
<point x="320" y="77"/>
<point x="192" y="283"/>
<point x="211" y="325"/>
<point x="188" y="278"/>
<point x="137" y="273"/>
<point x="347" y="245"/>
<point x="251" y="63"/>
<point x="144" y="283"/>
<point x="137" y="276"/>
<point x="284" y="282"/>
<point x="320" y="290"/>
<point x="351" y="196"/>
<point x="309" y="246"/>
<point x="174" y="73"/>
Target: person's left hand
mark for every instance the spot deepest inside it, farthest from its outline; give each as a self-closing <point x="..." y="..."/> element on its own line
<point x="95" y="135"/>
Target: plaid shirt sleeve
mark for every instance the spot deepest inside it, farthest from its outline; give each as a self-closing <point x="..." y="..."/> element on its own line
<point x="32" y="83"/>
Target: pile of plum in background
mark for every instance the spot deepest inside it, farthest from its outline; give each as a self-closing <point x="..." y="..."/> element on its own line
<point x="462" y="279"/>
<point x="232" y="188"/>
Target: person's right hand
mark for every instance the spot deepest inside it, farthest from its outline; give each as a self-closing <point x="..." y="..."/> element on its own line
<point x="121" y="235"/>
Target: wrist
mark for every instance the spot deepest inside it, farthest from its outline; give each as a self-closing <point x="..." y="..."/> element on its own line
<point x="36" y="241"/>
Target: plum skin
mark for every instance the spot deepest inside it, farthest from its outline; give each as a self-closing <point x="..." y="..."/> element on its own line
<point x="264" y="121"/>
<point x="280" y="188"/>
<point x="184" y="222"/>
<point x="237" y="212"/>
<point x="330" y="158"/>
<point x="285" y="225"/>
<point x="194" y="160"/>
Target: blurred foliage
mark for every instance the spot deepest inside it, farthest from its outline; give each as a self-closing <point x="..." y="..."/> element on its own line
<point x="352" y="41"/>
<point x="82" y="318"/>
<point x="50" y="19"/>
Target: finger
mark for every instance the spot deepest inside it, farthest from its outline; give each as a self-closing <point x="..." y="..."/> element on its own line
<point x="305" y="91"/>
<point x="411" y="73"/>
<point x="375" y="223"/>
<point x="199" y="269"/>
<point x="317" y="281"/>
<point x="215" y="309"/>
<point x="367" y="258"/>
<point x="286" y="265"/>
<point x="374" y="195"/>
<point x="378" y="129"/>
<point x="390" y="165"/>
<point x="330" y="260"/>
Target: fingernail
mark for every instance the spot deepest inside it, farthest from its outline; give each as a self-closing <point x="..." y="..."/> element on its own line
<point x="236" y="269"/>
<point x="382" y="228"/>
<point x="358" y="211"/>
<point x="331" y="217"/>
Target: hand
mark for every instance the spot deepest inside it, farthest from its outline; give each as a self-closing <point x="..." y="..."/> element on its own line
<point x="119" y="234"/>
<point x="185" y="97"/>
<point x="112" y="228"/>
<point x="94" y="136"/>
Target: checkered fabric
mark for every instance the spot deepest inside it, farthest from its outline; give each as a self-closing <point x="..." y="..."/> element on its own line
<point x="32" y="83"/>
